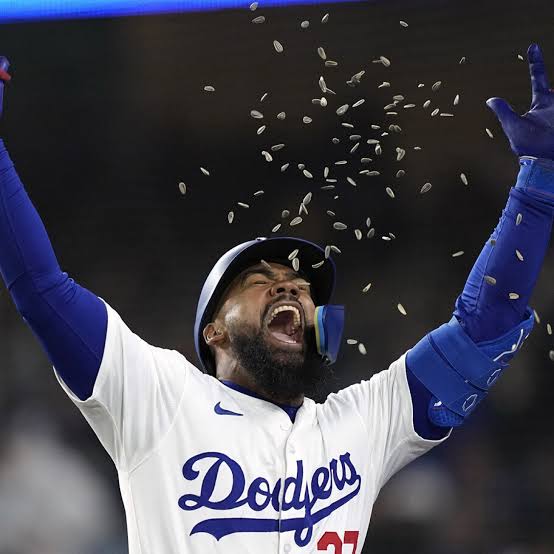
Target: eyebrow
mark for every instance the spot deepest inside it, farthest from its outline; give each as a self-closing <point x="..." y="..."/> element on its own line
<point x="267" y="272"/>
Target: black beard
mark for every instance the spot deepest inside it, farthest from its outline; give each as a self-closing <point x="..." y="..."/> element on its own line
<point x="281" y="375"/>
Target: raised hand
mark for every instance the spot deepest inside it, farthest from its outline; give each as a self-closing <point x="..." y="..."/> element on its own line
<point x="530" y="134"/>
<point x="4" y="78"/>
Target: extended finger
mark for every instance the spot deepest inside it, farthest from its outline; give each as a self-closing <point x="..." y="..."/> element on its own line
<point x="539" y="80"/>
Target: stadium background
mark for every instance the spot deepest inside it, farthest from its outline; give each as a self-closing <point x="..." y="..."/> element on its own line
<point x="106" y="116"/>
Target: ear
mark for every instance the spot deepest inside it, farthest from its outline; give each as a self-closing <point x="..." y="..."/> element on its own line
<point x="213" y="334"/>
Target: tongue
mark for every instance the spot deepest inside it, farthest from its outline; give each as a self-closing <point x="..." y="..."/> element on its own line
<point x="283" y="337"/>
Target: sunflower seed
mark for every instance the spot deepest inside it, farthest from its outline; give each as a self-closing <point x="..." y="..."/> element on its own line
<point x="339" y="226"/>
<point x="285" y="214"/>
<point x="302" y="209"/>
<point x="321" y="53"/>
<point x="365" y="160"/>
<point x="400" y="173"/>
<point x="513" y="295"/>
<point x="330" y="181"/>
<point x="301" y="166"/>
<point x="260" y="130"/>
<point x="295" y="221"/>
<point x="305" y="24"/>
<point x="335" y="249"/>
<point x="296" y="264"/>
<point x="551" y="355"/>
<point x="326" y="172"/>
<point x="549" y="328"/>
<point x="284" y="167"/>
<point x="456" y="100"/>
<point x="490" y="280"/>
<point x="519" y="255"/>
<point x="417" y="147"/>
<point x="293" y="254"/>
<point x="364" y="172"/>
<point x="371" y="233"/>
<point x="341" y="162"/>
<point x="358" y="103"/>
<point x="276" y="228"/>
<point x="384" y="84"/>
<point x="322" y="85"/>
<point x="182" y="187"/>
<point x="209" y="88"/>
<point x="520" y="57"/>
<point x="366" y="288"/>
<point x="230" y="217"/>
<point x="462" y="60"/>
<point x="323" y="102"/>
<point x="281" y="115"/>
<point x="489" y="132"/>
<point x="384" y="61"/>
<point x="436" y="86"/>
<point x="331" y="213"/>
<point x="354" y="137"/>
<point x="446" y="114"/>
<point x="342" y="109"/>
<point x="243" y="205"/>
<point x="258" y="193"/>
<point x="325" y="18"/>
<point x="354" y="148"/>
<point x="403" y="23"/>
<point x="362" y="349"/>
<point x="307" y="174"/>
<point x="420" y="85"/>
<point x="400" y="153"/>
<point x="256" y="114"/>
<point x="519" y="219"/>
<point x="389" y="106"/>
<point x="318" y="264"/>
<point x="331" y="63"/>
<point x="253" y="6"/>
<point x="268" y="157"/>
<point x="390" y="192"/>
<point x="537" y="318"/>
<point x="395" y="128"/>
<point x="406" y="106"/>
<point x="458" y="254"/>
<point x="204" y="171"/>
<point x="259" y="19"/>
<point x="368" y="222"/>
<point x="278" y="46"/>
<point x="335" y="140"/>
<point x="351" y="341"/>
<point x="401" y="309"/>
<point x="357" y="76"/>
<point x="425" y="188"/>
<point x="327" y="187"/>
<point x="351" y="181"/>
<point x="263" y="97"/>
<point x="307" y="119"/>
<point x="348" y="125"/>
<point x="435" y="112"/>
<point x="378" y="149"/>
<point x="386" y="238"/>
<point x="327" y="251"/>
<point x="277" y="147"/>
<point x="358" y="234"/>
<point x="463" y="178"/>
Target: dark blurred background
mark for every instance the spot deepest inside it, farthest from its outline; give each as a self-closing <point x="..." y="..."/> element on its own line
<point x="104" y="117"/>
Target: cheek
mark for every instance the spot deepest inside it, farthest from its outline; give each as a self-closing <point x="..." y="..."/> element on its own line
<point x="309" y="312"/>
<point x="239" y="314"/>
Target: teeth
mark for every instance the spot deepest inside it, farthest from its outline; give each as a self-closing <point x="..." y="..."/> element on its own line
<point x="294" y="309"/>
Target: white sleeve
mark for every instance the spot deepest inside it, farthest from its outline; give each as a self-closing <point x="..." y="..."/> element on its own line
<point x="136" y="394"/>
<point x="384" y="403"/>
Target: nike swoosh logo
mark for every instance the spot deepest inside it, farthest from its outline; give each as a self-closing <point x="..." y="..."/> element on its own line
<point x="222" y="411"/>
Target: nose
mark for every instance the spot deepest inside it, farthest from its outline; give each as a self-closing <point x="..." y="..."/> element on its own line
<point x="284" y="287"/>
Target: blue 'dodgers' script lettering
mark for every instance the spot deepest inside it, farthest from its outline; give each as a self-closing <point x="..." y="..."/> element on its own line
<point x="297" y="492"/>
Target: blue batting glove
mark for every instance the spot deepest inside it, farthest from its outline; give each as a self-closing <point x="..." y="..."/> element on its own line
<point x="530" y="134"/>
<point x="4" y="77"/>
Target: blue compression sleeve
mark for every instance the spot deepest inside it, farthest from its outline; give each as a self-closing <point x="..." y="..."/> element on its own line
<point x="69" y="321"/>
<point x="513" y="256"/>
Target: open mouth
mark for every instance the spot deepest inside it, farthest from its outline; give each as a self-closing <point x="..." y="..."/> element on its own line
<point x="284" y="324"/>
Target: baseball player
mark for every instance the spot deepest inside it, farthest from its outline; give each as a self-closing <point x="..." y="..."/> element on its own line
<point x="234" y="457"/>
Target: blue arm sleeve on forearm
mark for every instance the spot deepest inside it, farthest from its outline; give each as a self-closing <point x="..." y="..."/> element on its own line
<point x="69" y="321"/>
<point x="486" y="311"/>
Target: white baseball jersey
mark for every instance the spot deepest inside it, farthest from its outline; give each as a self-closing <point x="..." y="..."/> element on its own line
<point x="207" y="469"/>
